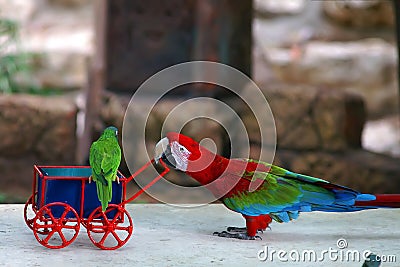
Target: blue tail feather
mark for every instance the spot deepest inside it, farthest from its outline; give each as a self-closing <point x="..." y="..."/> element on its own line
<point x="365" y="197"/>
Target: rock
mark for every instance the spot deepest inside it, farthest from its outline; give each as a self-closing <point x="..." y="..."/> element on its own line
<point x="112" y="110"/>
<point x="140" y="133"/>
<point x="360" y="13"/>
<point x="16" y="177"/>
<point x="339" y="119"/>
<point x="60" y="70"/>
<point x="43" y="126"/>
<point x="57" y="141"/>
<point x="47" y="35"/>
<point x="366" y="66"/>
<point x="20" y="123"/>
<point x="165" y="118"/>
<point x="292" y="109"/>
<point x="308" y="118"/>
<point x="69" y="3"/>
<point x="198" y="118"/>
<point x="361" y="170"/>
<point x="34" y="130"/>
<point x="266" y="7"/>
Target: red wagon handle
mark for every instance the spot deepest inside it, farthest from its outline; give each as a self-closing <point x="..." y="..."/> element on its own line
<point x="166" y="170"/>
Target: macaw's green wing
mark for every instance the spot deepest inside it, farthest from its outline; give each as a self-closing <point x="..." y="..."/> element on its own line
<point x="284" y="194"/>
<point x="110" y="161"/>
<point x="277" y="195"/>
<point x="95" y="159"/>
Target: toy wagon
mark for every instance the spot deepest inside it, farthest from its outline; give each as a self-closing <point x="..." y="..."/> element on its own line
<point x="62" y="199"/>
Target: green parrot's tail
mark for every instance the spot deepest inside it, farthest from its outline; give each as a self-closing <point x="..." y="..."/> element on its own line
<point x="104" y="192"/>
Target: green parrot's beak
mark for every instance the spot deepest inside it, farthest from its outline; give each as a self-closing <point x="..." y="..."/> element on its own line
<point x="160" y="149"/>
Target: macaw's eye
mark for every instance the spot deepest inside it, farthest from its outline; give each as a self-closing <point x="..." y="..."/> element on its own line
<point x="181" y="149"/>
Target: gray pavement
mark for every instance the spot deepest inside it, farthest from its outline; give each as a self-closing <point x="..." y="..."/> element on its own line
<point x="172" y="236"/>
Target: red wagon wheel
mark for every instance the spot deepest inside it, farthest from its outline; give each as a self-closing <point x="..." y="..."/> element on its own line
<point x="29" y="211"/>
<point x="110" y="229"/>
<point x="66" y="226"/>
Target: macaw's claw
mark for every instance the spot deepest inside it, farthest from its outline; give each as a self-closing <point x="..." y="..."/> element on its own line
<point x="236" y="229"/>
<point x="265" y="229"/>
<point x="90" y="179"/>
<point x="242" y="236"/>
<point x="243" y="230"/>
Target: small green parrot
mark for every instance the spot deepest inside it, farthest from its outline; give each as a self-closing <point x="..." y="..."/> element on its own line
<point x="105" y="157"/>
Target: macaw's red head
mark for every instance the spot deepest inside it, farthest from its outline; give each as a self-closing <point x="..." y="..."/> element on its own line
<point x="185" y="154"/>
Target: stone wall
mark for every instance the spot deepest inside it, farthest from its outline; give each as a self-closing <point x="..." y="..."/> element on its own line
<point x="343" y="45"/>
<point x="340" y="45"/>
<point x="33" y="130"/>
<point x="367" y="67"/>
<point x="318" y="133"/>
<point x="324" y="66"/>
<point x="359" y="169"/>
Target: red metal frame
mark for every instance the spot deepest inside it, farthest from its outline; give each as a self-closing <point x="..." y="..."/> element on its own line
<point x="37" y="174"/>
<point x="166" y="170"/>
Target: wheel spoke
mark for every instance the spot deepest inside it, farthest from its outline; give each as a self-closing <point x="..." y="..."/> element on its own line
<point x="60" y="233"/>
<point x="48" y="211"/>
<point x="101" y="242"/>
<point x="105" y="219"/>
<point x="46" y="240"/>
<point x="67" y="209"/>
<point x="115" y="217"/>
<point x="117" y="237"/>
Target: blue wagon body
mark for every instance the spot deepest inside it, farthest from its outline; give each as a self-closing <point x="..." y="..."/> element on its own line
<point x="70" y="185"/>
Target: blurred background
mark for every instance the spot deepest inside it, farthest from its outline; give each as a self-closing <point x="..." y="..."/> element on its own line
<point x="327" y="68"/>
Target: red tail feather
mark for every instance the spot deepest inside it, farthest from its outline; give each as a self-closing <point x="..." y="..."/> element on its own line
<point x="382" y="200"/>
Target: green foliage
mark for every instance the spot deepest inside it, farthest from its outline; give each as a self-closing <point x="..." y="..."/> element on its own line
<point x="2" y="198"/>
<point x="6" y="198"/>
<point x="14" y="65"/>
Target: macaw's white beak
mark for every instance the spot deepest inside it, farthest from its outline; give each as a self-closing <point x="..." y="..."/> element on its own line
<point x="160" y="149"/>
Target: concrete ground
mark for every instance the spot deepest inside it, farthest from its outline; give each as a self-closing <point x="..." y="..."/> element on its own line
<point x="173" y="236"/>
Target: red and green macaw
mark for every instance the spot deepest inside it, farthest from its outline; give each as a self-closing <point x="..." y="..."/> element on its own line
<point x="104" y="158"/>
<point x="278" y="194"/>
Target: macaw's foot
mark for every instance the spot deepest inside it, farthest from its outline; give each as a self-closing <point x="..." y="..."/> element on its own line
<point x="243" y="230"/>
<point x="242" y="236"/>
